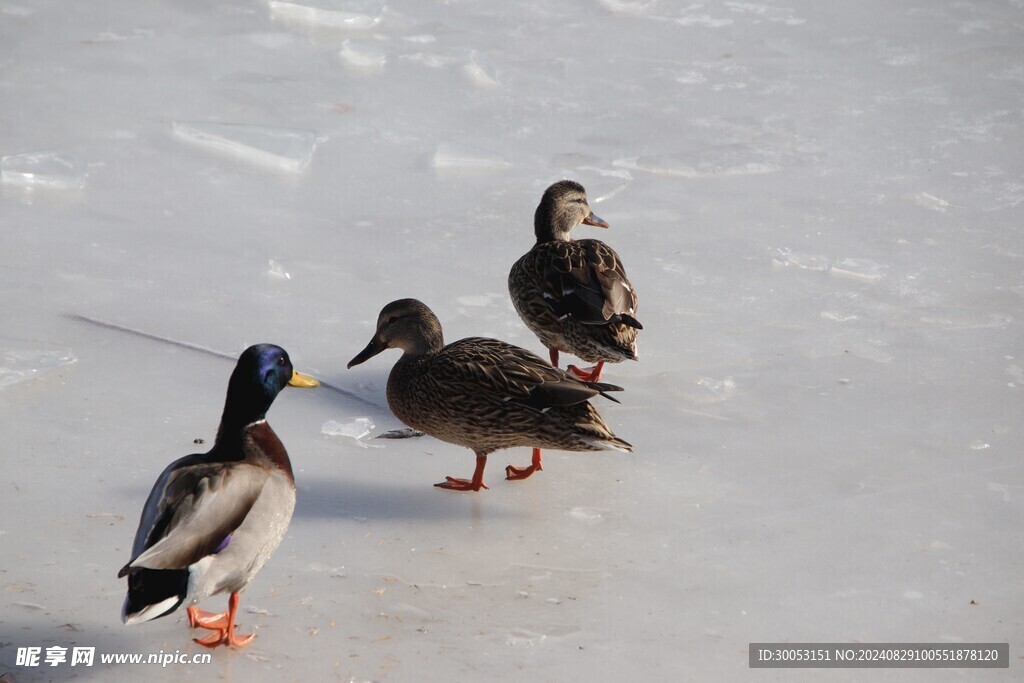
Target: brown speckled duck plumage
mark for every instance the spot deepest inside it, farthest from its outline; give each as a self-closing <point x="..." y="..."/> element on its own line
<point x="574" y="294"/>
<point x="484" y="394"/>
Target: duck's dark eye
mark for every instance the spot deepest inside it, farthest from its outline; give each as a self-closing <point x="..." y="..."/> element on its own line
<point x="280" y="360"/>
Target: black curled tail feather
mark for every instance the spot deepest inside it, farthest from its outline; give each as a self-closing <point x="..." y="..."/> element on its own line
<point x="148" y="587"/>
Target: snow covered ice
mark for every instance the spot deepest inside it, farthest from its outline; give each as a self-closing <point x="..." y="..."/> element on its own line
<point x="715" y="161"/>
<point x="43" y="170"/>
<point x="819" y="204"/>
<point x="355" y="429"/>
<point x="277" y="271"/>
<point x="786" y="257"/>
<point x="281" y="149"/>
<point x="454" y="157"/>
<point x="362" y="56"/>
<point x="359" y="15"/>
<point x="23" y="364"/>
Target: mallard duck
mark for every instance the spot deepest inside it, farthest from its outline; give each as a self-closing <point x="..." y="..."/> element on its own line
<point x="574" y="294"/>
<point x="484" y="394"/>
<point x="213" y="519"/>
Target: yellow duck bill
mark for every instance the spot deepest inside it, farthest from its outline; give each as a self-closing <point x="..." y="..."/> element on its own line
<point x="304" y="381"/>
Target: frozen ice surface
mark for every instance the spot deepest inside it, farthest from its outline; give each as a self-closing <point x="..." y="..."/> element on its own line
<point x="479" y="300"/>
<point x="52" y="170"/>
<point x="803" y="465"/>
<point x="785" y="257"/>
<point x="703" y="20"/>
<point x="281" y="149"/>
<point x="273" y="40"/>
<point x="930" y="201"/>
<point x="630" y="7"/>
<point x="16" y="10"/>
<point x="480" y="73"/>
<point x="356" y="15"/>
<point x="838" y="316"/>
<point x="587" y="515"/>
<point x="603" y="191"/>
<point x="715" y="390"/>
<point x="362" y="55"/>
<point x="357" y="429"/>
<point x="863" y="269"/>
<point x="452" y="156"/>
<point x="601" y="179"/>
<point x="966" y="320"/>
<point x="869" y="349"/>
<point x="433" y="60"/>
<point x="22" y="365"/>
<point x="690" y="77"/>
<point x="276" y="270"/>
<point x="717" y="161"/>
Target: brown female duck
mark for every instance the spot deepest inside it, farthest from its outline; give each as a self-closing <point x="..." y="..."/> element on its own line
<point x="574" y="294"/>
<point x="484" y="394"/>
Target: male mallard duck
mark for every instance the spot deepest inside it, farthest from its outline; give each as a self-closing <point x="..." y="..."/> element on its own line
<point x="484" y="394"/>
<point x="574" y="295"/>
<point x="213" y="519"/>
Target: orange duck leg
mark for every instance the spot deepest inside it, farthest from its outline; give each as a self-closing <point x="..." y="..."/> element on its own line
<point x="474" y="484"/>
<point x="588" y="374"/>
<point x="222" y="625"/>
<point x="516" y="473"/>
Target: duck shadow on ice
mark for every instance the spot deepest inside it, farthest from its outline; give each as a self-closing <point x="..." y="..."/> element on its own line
<point x="338" y="498"/>
<point x="322" y="498"/>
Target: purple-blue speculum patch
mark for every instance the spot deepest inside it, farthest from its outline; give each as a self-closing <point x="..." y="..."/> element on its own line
<point x="223" y="544"/>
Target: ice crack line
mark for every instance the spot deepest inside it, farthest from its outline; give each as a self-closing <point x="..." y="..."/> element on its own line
<point x="205" y="349"/>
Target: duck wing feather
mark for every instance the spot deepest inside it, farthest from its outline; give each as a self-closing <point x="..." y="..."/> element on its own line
<point x="585" y="280"/>
<point x="192" y="510"/>
<point x="512" y="373"/>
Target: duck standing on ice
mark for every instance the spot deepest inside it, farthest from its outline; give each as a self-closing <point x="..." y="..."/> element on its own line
<point x="574" y="294"/>
<point x="484" y="394"/>
<point x="213" y="519"/>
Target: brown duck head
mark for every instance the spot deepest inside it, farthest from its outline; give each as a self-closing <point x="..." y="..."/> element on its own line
<point x="405" y="324"/>
<point x="563" y="207"/>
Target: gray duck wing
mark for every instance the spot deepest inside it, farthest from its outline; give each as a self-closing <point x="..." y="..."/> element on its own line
<point x="192" y="510"/>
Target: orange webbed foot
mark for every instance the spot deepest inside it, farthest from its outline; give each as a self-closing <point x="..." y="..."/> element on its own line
<point x="226" y="637"/>
<point x="222" y="625"/>
<point x="218" y="637"/>
<point x="453" y="484"/>
<point x="517" y="473"/>
<point x="592" y="374"/>
<point x="474" y="484"/>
